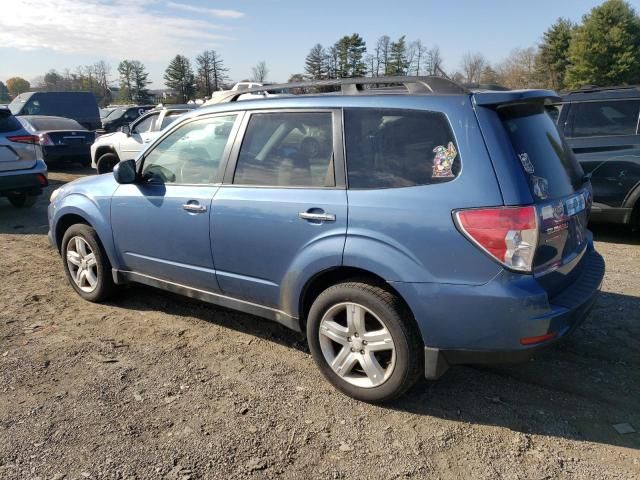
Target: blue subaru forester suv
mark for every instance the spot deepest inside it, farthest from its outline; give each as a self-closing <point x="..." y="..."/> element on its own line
<point x="404" y="228"/>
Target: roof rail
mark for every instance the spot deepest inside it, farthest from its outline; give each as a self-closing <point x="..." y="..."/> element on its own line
<point x="354" y="86"/>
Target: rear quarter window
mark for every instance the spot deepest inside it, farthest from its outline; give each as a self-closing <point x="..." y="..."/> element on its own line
<point x="392" y="148"/>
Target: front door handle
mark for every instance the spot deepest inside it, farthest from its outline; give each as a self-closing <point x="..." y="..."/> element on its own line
<point x="317" y="217"/>
<point x="194" y="207"/>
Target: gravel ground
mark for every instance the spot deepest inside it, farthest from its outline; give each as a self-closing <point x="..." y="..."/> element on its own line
<point x="153" y="385"/>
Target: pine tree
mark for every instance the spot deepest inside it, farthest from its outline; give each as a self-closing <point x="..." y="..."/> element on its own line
<point x="553" y="54"/>
<point x="139" y="82"/>
<point x="4" y="93"/>
<point x="398" y="64"/>
<point x="316" y="63"/>
<point x="605" y="49"/>
<point x="125" y="70"/>
<point x="179" y="77"/>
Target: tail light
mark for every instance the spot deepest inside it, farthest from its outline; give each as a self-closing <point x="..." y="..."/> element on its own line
<point x="45" y="140"/>
<point x="508" y="234"/>
<point x="33" y="139"/>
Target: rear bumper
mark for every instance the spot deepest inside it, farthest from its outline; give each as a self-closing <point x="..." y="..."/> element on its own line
<point x="27" y="180"/>
<point x="486" y="324"/>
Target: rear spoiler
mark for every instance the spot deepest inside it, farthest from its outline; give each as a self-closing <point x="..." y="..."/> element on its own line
<point x="495" y="98"/>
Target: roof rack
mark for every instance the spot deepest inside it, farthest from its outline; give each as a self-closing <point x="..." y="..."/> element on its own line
<point x="354" y="86"/>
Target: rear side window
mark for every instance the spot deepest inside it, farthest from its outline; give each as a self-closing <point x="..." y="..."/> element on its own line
<point x="287" y="150"/>
<point x="8" y="123"/>
<point x="171" y="117"/>
<point x="548" y="161"/>
<point x="595" y="119"/>
<point x="391" y="148"/>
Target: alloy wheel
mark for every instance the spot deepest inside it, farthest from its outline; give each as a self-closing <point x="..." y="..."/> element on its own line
<point x="82" y="264"/>
<point x="357" y="345"/>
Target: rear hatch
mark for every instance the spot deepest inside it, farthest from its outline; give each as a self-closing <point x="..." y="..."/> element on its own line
<point x="560" y="191"/>
<point x="17" y="146"/>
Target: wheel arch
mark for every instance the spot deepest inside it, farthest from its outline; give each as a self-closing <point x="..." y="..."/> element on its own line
<point x="332" y="276"/>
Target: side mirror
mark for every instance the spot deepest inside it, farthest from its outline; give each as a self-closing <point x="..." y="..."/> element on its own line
<point x="126" y="129"/>
<point x="125" y="172"/>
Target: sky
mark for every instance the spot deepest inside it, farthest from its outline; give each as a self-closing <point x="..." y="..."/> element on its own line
<point x="39" y="35"/>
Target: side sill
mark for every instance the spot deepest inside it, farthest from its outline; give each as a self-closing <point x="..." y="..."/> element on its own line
<point x="121" y="277"/>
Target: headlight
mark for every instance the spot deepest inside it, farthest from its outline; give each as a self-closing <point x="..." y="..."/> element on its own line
<point x="54" y="194"/>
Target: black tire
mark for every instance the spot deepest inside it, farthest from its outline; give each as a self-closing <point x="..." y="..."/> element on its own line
<point x="393" y="314"/>
<point x="106" y="162"/>
<point x="102" y="272"/>
<point x="22" y="200"/>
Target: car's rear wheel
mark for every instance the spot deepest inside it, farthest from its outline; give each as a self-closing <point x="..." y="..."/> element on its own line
<point x="86" y="264"/>
<point x="22" y="200"/>
<point x="106" y="162"/>
<point x="364" y="341"/>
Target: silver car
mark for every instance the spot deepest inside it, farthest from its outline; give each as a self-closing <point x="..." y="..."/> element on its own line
<point x="22" y="174"/>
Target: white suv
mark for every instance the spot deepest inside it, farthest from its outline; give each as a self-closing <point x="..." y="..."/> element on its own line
<point x="130" y="139"/>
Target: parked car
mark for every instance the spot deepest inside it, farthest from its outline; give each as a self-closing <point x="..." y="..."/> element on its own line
<point x="60" y="139"/>
<point x="123" y="116"/>
<point x="126" y="143"/>
<point x="22" y="174"/>
<point x="434" y="226"/>
<point x="79" y="106"/>
<point x="601" y="126"/>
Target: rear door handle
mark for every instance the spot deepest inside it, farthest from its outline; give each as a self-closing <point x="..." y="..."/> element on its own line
<point x="317" y="217"/>
<point x="194" y="207"/>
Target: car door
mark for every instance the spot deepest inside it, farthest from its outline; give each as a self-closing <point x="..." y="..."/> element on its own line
<point x="132" y="144"/>
<point x="161" y="223"/>
<point x="282" y="209"/>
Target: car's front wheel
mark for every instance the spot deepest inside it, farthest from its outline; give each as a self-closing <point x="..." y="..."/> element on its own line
<point x="86" y="264"/>
<point x="22" y="200"/>
<point x="364" y="341"/>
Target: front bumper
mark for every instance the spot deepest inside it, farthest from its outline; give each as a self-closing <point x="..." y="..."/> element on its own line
<point x="31" y="180"/>
<point x="485" y="324"/>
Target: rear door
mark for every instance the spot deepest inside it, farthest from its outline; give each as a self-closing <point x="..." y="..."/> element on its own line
<point x="17" y="147"/>
<point x="283" y="206"/>
<point x="558" y="188"/>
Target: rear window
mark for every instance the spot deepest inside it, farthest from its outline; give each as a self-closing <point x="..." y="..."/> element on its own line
<point x="8" y="123"/>
<point x="391" y="148"/>
<point x="596" y="119"/>
<point x="54" y="123"/>
<point x="549" y="163"/>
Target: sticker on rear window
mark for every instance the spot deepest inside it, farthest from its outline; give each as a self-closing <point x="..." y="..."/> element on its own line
<point x="526" y="163"/>
<point x="540" y="187"/>
<point x="443" y="161"/>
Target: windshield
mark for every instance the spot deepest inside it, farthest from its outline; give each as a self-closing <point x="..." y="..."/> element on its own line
<point x="549" y="163"/>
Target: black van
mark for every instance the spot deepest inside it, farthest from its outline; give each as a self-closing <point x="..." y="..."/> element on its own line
<point x="79" y="106"/>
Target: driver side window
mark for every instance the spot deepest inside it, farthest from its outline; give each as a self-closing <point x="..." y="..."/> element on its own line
<point x="191" y="154"/>
<point x="144" y="125"/>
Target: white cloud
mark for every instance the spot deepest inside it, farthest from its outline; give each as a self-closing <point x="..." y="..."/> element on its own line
<point x="114" y="29"/>
<point x="207" y="11"/>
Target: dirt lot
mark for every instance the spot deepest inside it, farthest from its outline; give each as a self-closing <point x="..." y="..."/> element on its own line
<point x="156" y="386"/>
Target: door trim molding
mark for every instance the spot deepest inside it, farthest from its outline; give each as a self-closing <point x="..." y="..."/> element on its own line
<point x="121" y="277"/>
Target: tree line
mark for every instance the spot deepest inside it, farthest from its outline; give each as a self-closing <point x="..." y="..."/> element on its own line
<point x="603" y="49"/>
